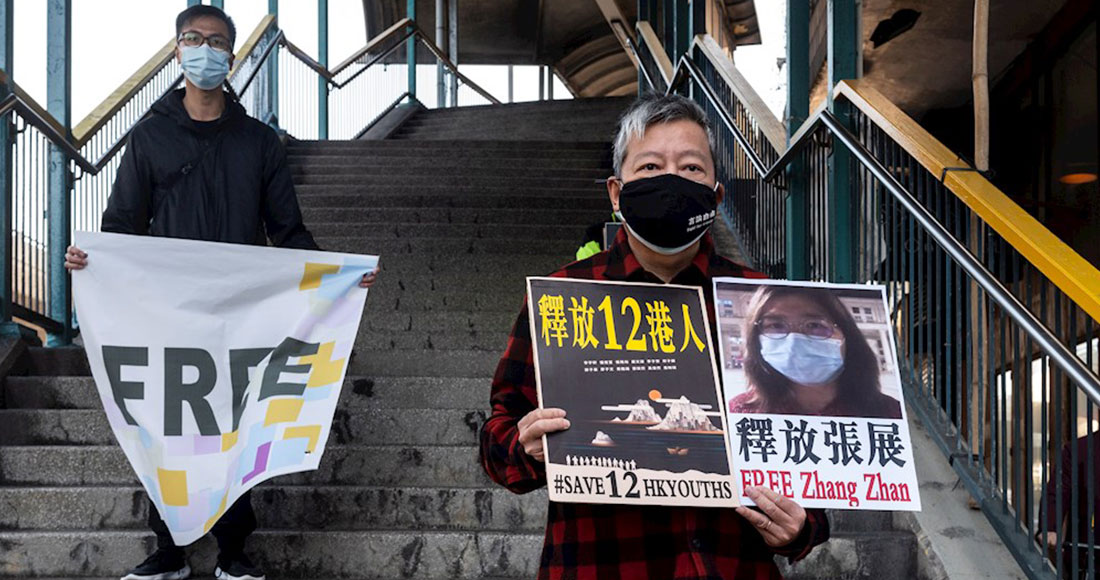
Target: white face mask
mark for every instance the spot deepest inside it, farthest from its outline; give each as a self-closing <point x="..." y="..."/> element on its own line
<point x="804" y="360"/>
<point x="205" y="67"/>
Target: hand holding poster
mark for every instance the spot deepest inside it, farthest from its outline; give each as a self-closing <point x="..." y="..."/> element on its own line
<point x="633" y="367"/>
<point x="814" y="394"/>
<point x="219" y="365"/>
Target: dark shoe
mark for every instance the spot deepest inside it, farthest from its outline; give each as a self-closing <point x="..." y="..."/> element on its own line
<point x="161" y="565"/>
<point x="237" y="567"/>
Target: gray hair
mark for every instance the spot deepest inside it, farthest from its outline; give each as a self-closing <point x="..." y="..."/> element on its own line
<point x="651" y="109"/>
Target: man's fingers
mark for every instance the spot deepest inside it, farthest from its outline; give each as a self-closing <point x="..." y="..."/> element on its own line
<point x="541" y="427"/>
<point x="550" y="413"/>
<point x="757" y="519"/>
<point x="768" y="506"/>
<point x="780" y="509"/>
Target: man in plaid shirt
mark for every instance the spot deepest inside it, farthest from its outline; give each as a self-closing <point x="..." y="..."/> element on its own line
<point x="664" y="186"/>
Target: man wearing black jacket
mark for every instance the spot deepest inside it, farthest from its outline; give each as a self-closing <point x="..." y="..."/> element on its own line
<point x="200" y="168"/>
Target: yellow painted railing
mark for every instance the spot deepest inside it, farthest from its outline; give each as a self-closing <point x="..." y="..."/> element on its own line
<point x="1074" y="275"/>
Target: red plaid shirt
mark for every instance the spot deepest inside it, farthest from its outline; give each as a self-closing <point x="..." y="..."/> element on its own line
<point x="617" y="541"/>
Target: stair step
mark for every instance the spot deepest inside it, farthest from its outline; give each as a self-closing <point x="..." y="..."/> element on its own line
<point x="438" y="216"/>
<point x="858" y="556"/>
<point x="450" y="230"/>
<point x="441" y="427"/>
<point x="358" y="392"/>
<point x="280" y="507"/>
<point x="353" y="196"/>
<point x="507" y="195"/>
<point x="536" y="174"/>
<point x="529" y="146"/>
<point x="458" y="248"/>
<point x="287" y="554"/>
<point x="392" y="554"/>
<point x="370" y="363"/>
<point x="584" y="161"/>
<point x="373" y="465"/>
<point x="457" y="179"/>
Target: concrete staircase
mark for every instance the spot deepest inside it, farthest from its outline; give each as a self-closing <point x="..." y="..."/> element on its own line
<point x="400" y="493"/>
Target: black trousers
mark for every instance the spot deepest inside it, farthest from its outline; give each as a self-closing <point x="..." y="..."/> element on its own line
<point x="230" y="531"/>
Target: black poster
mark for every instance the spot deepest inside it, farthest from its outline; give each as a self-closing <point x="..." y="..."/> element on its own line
<point x="634" y="369"/>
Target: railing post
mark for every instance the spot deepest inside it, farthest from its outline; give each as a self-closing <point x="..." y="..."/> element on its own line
<point x="322" y="58"/>
<point x="452" y="53"/>
<point x="844" y="45"/>
<point x="58" y="93"/>
<point x="645" y="14"/>
<point x="798" y="109"/>
<point x="219" y="4"/>
<point x="441" y="42"/>
<point x="410" y="50"/>
<point x="273" y="70"/>
<point x="7" y="62"/>
<point x="682" y="28"/>
<point x="511" y="84"/>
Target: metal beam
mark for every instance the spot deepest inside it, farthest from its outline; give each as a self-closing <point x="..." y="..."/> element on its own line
<point x="7" y="62"/>
<point x="549" y="83"/>
<point x="844" y="43"/>
<point x="441" y="42"/>
<point x="511" y="84"/>
<point x="452" y="53"/>
<point x="798" y="110"/>
<point x="410" y="50"/>
<point x="322" y="59"/>
<point x="58" y="103"/>
<point x="645" y="14"/>
<point x="682" y="27"/>
<point x="273" y="69"/>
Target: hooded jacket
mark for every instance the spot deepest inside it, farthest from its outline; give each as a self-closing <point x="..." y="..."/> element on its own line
<point x="220" y="181"/>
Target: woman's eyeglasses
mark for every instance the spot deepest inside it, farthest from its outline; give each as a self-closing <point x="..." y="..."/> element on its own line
<point x="216" y="41"/>
<point x="816" y="328"/>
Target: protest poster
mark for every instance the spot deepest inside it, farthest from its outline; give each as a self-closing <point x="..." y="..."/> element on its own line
<point x="633" y="366"/>
<point x="219" y="365"/>
<point x="814" y="394"/>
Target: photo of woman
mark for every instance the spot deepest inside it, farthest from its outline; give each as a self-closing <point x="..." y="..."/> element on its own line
<point x="800" y="350"/>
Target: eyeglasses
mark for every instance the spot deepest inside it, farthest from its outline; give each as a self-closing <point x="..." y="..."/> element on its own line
<point x="815" y="328"/>
<point x="217" y="42"/>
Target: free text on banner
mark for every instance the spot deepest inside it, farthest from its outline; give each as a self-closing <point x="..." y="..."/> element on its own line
<point x="814" y="393"/>
<point x="219" y="365"/>
<point x="633" y="367"/>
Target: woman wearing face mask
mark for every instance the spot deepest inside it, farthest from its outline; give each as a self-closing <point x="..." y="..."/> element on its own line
<point x="804" y="355"/>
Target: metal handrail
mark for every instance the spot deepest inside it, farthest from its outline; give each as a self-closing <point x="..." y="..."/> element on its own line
<point x="259" y="64"/>
<point x="114" y="102"/>
<point x="407" y="35"/>
<point x="33" y="114"/>
<point x="687" y="67"/>
<point x="407" y="28"/>
<point x="1085" y="378"/>
<point x="641" y="67"/>
<point x="1068" y="361"/>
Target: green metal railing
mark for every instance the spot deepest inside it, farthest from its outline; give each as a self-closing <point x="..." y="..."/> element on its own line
<point x="359" y="91"/>
<point x="997" y="328"/>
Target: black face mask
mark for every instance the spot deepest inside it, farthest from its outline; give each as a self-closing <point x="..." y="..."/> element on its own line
<point x="668" y="213"/>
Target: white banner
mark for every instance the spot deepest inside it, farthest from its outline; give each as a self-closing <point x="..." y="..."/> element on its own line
<point x="219" y="365"/>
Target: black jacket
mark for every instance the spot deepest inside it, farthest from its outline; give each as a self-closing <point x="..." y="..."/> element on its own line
<point x="223" y="181"/>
